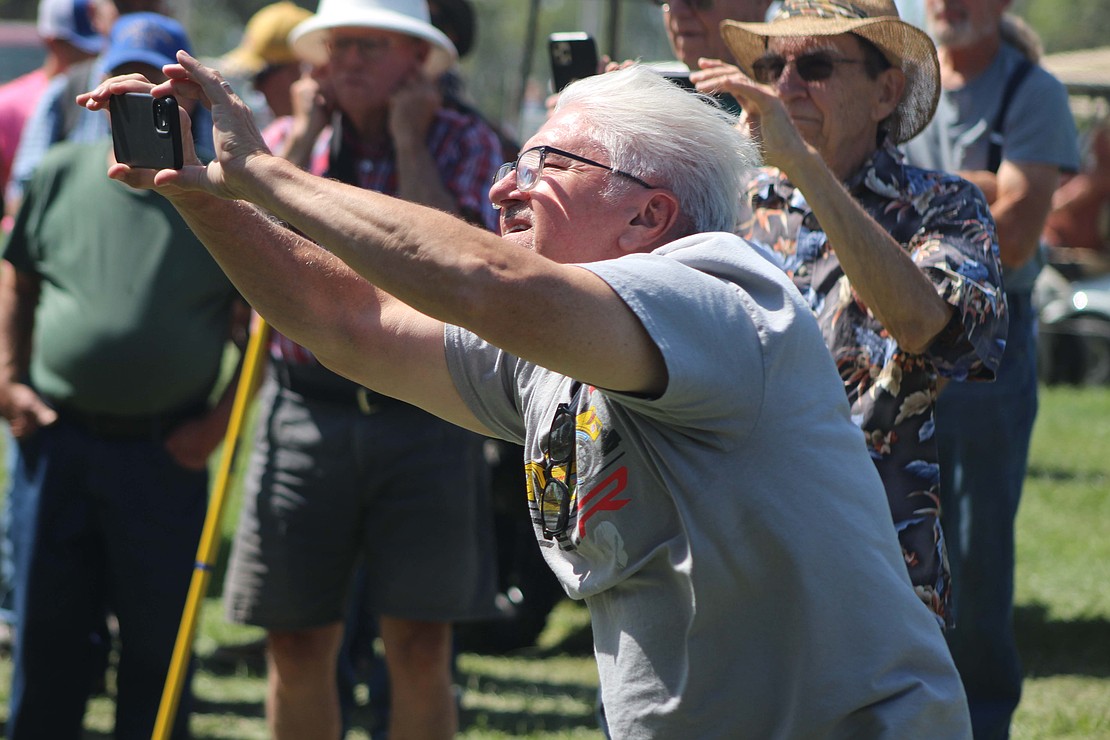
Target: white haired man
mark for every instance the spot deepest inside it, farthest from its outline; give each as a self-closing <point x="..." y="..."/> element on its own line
<point x="692" y="469"/>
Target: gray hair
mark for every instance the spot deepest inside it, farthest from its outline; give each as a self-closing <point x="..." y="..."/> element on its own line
<point x="650" y="127"/>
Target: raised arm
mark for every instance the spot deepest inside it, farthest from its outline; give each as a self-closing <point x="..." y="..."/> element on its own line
<point x="372" y="306"/>
<point x="882" y="273"/>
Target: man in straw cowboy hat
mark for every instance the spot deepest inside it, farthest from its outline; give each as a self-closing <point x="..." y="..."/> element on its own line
<point x="1003" y="122"/>
<point x="899" y="264"/>
<point x="343" y="476"/>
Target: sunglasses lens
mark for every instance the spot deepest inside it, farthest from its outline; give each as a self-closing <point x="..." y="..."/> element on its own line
<point x="555" y="507"/>
<point x="767" y="70"/>
<point x="815" y="67"/>
<point x="561" y="440"/>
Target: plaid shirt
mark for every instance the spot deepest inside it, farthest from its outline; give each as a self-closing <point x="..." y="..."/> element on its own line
<point x="945" y="225"/>
<point x="467" y="152"/>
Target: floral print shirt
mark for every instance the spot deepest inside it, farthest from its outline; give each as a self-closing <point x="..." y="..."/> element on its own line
<point x="944" y="223"/>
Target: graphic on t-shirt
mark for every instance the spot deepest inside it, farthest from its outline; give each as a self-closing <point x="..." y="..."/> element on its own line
<point x="575" y="448"/>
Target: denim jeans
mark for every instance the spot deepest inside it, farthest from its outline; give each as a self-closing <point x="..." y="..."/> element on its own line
<point x="98" y="526"/>
<point x="983" y="432"/>
<point x="7" y="560"/>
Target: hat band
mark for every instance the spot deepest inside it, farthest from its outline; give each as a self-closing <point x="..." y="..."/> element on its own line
<point x="821" y="9"/>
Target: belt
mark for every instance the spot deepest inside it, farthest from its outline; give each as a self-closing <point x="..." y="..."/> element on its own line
<point x="315" y="382"/>
<point x="116" y="426"/>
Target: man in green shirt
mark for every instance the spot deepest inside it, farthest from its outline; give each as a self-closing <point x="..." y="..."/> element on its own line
<point x="114" y="324"/>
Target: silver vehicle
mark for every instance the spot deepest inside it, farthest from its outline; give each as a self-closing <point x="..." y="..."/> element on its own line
<point x="1074" y="333"/>
<point x="1073" y="296"/>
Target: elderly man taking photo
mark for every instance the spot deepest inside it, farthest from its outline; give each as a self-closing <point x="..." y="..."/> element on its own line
<point x="692" y="471"/>
<point x="899" y="264"/>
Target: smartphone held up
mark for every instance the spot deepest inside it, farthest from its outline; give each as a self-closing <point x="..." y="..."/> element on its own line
<point x="573" y="57"/>
<point x="146" y="131"/>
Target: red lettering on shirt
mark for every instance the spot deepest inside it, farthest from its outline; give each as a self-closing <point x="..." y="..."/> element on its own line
<point x="608" y="489"/>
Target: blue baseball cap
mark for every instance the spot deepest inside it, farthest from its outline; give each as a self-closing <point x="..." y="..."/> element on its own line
<point x="144" y="38"/>
<point x="69" y="20"/>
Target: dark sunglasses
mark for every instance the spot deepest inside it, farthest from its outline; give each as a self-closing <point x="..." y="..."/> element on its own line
<point x="556" y="495"/>
<point x="701" y="5"/>
<point x="812" y="67"/>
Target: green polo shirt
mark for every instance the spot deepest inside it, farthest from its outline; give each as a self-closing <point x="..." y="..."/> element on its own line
<point x="133" y="314"/>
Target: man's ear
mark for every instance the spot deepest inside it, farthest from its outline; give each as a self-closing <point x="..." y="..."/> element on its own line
<point x="892" y="83"/>
<point x="654" y="223"/>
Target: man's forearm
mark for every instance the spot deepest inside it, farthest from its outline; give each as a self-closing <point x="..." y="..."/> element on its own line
<point x="312" y="297"/>
<point x="18" y="294"/>
<point x="399" y="246"/>
<point x="882" y="273"/>
<point x="281" y="274"/>
<point x="1020" y="208"/>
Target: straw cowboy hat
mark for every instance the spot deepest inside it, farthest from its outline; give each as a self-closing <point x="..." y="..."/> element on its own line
<point x="409" y="17"/>
<point x="903" y="45"/>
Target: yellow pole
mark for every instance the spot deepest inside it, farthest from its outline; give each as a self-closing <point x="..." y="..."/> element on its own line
<point x="209" y="538"/>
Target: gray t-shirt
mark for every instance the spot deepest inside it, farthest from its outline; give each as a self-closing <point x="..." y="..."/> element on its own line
<point x="1038" y="129"/>
<point x="731" y="537"/>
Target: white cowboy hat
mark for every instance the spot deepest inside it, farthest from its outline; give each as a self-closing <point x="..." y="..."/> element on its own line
<point x="903" y="45"/>
<point x="409" y="17"/>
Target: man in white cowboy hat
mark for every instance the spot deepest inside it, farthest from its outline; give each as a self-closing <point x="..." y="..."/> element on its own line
<point x="343" y="476"/>
<point x="899" y="264"/>
<point x="1003" y="122"/>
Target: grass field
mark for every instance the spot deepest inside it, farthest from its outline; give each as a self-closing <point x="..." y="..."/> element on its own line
<point x="1062" y="618"/>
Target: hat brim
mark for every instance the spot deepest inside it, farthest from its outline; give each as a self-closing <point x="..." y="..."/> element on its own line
<point x="242" y="62"/>
<point x="904" y="46"/>
<point x="87" y="44"/>
<point x="309" y="38"/>
<point x="135" y="56"/>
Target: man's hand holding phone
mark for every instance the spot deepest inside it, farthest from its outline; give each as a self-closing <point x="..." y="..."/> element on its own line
<point x="235" y="135"/>
<point x="146" y="131"/>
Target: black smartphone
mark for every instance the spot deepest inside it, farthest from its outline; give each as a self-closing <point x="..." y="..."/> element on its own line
<point x="146" y="131"/>
<point x="676" y="72"/>
<point x="573" y="56"/>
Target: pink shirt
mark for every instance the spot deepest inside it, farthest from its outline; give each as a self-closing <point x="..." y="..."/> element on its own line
<point x="17" y="102"/>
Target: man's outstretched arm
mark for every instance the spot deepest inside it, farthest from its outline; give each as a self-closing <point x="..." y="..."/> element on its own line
<point x="429" y="268"/>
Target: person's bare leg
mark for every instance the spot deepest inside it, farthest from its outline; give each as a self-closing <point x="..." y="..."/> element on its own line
<point x="302" y="699"/>
<point x="422" y="702"/>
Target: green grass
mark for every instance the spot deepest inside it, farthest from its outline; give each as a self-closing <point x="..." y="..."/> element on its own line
<point x="1063" y="570"/>
<point x="547" y="692"/>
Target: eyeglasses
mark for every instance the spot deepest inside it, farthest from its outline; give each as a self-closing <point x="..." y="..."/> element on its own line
<point x="701" y="5"/>
<point x="368" y="48"/>
<point x="556" y="495"/>
<point x="529" y="168"/>
<point x="812" y="67"/>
